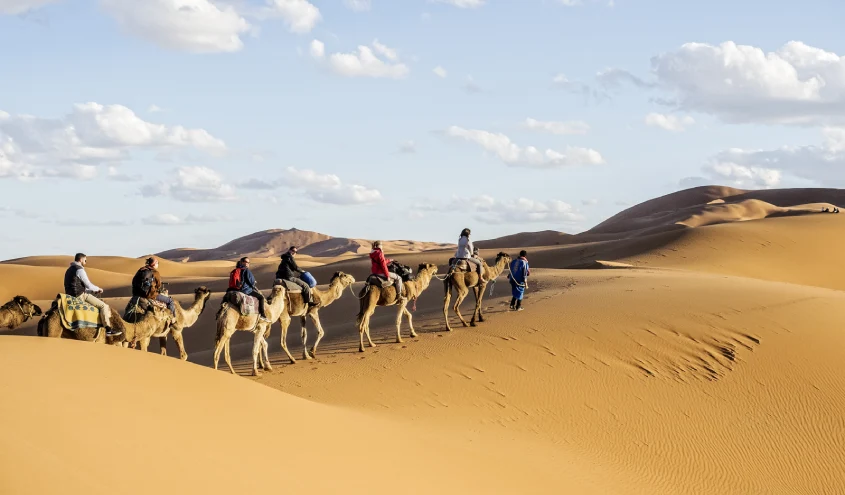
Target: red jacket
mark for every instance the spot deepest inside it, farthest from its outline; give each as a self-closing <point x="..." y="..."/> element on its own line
<point x="379" y="263"/>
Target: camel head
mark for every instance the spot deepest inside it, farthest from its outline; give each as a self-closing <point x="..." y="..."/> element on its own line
<point x="344" y="279"/>
<point x="503" y="256"/>
<point x="202" y="292"/>
<point x="27" y="308"/>
<point x="427" y="267"/>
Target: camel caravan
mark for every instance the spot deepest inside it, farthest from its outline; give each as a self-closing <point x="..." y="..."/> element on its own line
<point x="80" y="313"/>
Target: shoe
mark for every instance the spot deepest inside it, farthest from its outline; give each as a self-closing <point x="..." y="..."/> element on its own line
<point x="262" y="318"/>
<point x="112" y="332"/>
<point x="520" y="309"/>
<point x="512" y="308"/>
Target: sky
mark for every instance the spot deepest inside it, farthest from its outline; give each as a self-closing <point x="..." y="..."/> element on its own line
<point x="129" y="127"/>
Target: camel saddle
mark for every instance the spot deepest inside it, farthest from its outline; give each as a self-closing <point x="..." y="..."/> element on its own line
<point x="379" y="281"/>
<point x="459" y="266"/>
<point x="76" y="314"/>
<point x="247" y="305"/>
<point x="291" y="287"/>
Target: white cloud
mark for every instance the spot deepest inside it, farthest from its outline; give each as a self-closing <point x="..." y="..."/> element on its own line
<point x="358" y="5"/>
<point x="300" y="15"/>
<point x="408" y="147"/>
<point x="167" y="219"/>
<point x="192" y="184"/>
<point x="589" y="202"/>
<point x="440" y="72"/>
<point x="798" y="84"/>
<point x="199" y="26"/>
<point x="385" y="51"/>
<point x="613" y="77"/>
<point x="155" y="109"/>
<point x="14" y="7"/>
<point x="92" y="133"/>
<point x="364" y="62"/>
<point x="323" y="188"/>
<point x="74" y="171"/>
<point x="822" y="164"/>
<point x="560" y="128"/>
<point x="317" y="49"/>
<point x="516" y="156"/>
<point x="487" y="209"/>
<point x="671" y="123"/>
<point x="471" y="86"/>
<point x="114" y="174"/>
<point x="464" y="4"/>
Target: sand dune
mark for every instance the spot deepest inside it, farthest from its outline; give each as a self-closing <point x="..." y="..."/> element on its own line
<point x="220" y="434"/>
<point x="272" y="243"/>
<point x="693" y="345"/>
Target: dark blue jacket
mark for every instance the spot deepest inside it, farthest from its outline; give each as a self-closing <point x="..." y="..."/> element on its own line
<point x="249" y="282"/>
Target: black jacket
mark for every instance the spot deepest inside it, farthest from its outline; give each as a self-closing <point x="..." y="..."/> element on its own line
<point x="288" y="268"/>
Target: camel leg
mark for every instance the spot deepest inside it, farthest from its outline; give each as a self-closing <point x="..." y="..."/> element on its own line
<point x="177" y="336"/>
<point x="364" y="329"/>
<point x="410" y="321"/>
<point x="478" y="292"/>
<point x="320" y="333"/>
<point x="369" y="340"/>
<point x="145" y="344"/>
<point x="399" y="323"/>
<point x="220" y="344"/>
<point x="462" y="294"/>
<point x="446" y="300"/>
<point x="258" y="336"/>
<point x="228" y="355"/>
<point x="162" y="343"/>
<point x="305" y="354"/>
<point x="264" y="347"/>
<point x="285" y="322"/>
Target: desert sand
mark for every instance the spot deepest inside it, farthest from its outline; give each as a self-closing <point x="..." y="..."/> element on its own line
<point x="689" y="345"/>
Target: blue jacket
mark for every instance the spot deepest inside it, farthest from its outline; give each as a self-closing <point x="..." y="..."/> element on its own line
<point x="520" y="270"/>
<point x="249" y="282"/>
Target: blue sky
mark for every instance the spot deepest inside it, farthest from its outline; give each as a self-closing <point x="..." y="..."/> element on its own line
<point x="129" y="127"/>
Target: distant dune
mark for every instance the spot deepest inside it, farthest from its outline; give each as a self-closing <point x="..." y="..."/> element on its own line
<point x="272" y="243"/>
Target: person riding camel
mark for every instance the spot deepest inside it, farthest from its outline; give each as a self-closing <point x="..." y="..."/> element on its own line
<point x="289" y="270"/>
<point x="147" y="284"/>
<point x="78" y="285"/>
<point x="242" y="280"/>
<point x="466" y="251"/>
<point x="379" y="267"/>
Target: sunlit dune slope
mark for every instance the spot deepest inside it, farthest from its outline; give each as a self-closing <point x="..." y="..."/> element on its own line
<point x="678" y="382"/>
<point x="95" y="419"/>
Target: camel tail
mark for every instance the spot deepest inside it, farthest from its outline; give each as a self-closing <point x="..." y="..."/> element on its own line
<point x="362" y="301"/>
<point x="220" y="322"/>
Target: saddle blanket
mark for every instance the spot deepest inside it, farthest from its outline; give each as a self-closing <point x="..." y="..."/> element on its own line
<point x="247" y="305"/>
<point x="76" y="313"/>
<point x="379" y="281"/>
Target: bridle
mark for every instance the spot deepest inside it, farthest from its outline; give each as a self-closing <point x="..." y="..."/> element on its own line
<point x="24" y="313"/>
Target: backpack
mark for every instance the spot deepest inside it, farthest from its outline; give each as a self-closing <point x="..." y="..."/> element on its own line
<point x="403" y="271"/>
<point x="144" y="283"/>
<point x="236" y="279"/>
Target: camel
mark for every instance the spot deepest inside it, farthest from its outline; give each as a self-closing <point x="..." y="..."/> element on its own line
<point x="297" y="307"/>
<point x="463" y="281"/>
<point x="17" y="312"/>
<point x="373" y="295"/>
<point x="184" y="319"/>
<point x="230" y="320"/>
<point x="148" y="324"/>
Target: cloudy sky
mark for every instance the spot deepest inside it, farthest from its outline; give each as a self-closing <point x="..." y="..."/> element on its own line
<point x="133" y="126"/>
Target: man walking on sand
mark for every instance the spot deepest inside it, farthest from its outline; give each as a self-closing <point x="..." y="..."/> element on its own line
<point x="518" y="278"/>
